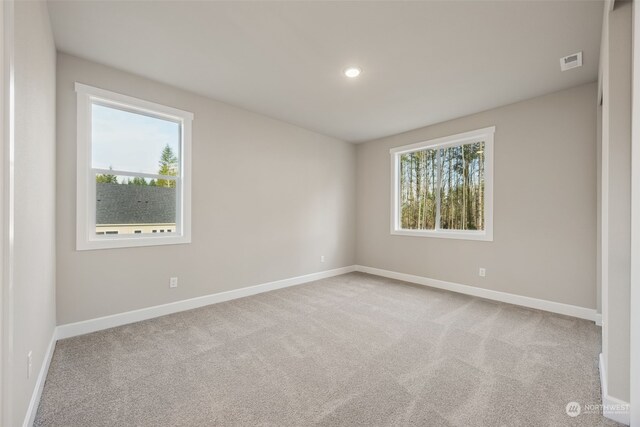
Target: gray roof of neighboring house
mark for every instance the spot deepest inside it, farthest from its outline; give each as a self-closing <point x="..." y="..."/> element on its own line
<point x="134" y="204"/>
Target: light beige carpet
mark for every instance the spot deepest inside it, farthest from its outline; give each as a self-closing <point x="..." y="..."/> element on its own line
<point x="351" y="350"/>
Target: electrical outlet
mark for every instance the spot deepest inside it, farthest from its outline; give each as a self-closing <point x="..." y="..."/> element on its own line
<point x="482" y="272"/>
<point x="29" y="363"/>
<point x="173" y="282"/>
<point x="322" y="258"/>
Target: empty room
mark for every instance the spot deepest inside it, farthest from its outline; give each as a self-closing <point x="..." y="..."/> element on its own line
<point x="332" y="213"/>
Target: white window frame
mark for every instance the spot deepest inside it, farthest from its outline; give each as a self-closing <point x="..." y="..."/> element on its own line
<point x="486" y="135"/>
<point x="86" y="238"/>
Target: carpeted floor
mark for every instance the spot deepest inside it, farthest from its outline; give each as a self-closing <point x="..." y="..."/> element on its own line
<point x="351" y="350"/>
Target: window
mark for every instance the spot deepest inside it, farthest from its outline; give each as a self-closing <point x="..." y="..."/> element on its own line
<point x="444" y="187"/>
<point x="134" y="169"/>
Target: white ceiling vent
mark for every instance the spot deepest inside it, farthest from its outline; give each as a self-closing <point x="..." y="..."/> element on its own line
<point x="571" y="61"/>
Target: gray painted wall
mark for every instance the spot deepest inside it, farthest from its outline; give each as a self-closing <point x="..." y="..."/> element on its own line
<point x="544" y="203"/>
<point x="257" y="183"/>
<point x="35" y="191"/>
<point x="617" y="107"/>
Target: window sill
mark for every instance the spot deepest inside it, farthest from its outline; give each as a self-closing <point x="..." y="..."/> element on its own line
<point x="441" y="234"/>
<point x="130" y="242"/>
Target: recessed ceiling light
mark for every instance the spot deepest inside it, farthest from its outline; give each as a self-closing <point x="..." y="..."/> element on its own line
<point x="352" y="72"/>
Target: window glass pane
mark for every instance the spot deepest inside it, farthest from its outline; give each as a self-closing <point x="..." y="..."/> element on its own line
<point x="462" y="192"/>
<point x="132" y="205"/>
<point x="133" y="142"/>
<point x="418" y="180"/>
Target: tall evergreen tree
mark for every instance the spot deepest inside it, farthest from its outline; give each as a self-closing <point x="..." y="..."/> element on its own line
<point x="168" y="166"/>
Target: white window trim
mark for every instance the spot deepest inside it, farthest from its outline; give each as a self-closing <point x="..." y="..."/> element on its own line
<point x="487" y="234"/>
<point x="86" y="238"/>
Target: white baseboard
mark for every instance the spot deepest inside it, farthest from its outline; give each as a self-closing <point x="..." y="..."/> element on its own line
<point x="39" y="386"/>
<point x="106" y="322"/>
<point x="554" y="307"/>
<point x="612" y="408"/>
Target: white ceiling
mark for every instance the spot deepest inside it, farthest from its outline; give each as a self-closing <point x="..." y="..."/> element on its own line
<point x="422" y="62"/>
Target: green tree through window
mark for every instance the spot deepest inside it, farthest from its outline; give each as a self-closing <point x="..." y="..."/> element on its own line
<point x="451" y="178"/>
<point x="107" y="178"/>
<point x="167" y="166"/>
